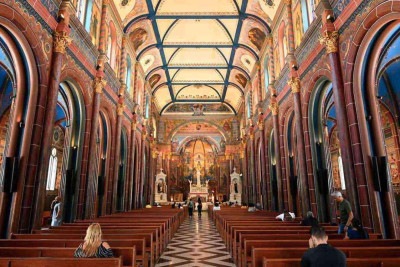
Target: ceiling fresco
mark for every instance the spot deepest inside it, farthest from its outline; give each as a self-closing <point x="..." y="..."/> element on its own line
<point x="197" y="51"/>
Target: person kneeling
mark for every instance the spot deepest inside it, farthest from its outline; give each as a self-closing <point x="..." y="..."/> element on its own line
<point x="320" y="253"/>
<point x="93" y="247"/>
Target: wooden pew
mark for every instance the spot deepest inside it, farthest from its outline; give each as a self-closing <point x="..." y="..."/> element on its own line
<point x="60" y="262"/>
<point x="150" y="246"/>
<point x="127" y="254"/>
<point x="354" y="262"/>
<point x="258" y="248"/>
<point x="141" y="257"/>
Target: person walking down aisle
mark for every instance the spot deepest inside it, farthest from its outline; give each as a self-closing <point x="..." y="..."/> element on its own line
<point x="346" y="213"/>
<point x="56" y="218"/>
<point x="199" y="207"/>
<point x="190" y="208"/>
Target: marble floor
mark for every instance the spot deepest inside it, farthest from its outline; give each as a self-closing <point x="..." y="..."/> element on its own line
<point x="196" y="243"/>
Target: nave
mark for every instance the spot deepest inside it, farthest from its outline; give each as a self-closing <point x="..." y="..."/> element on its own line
<point x="196" y="243"/>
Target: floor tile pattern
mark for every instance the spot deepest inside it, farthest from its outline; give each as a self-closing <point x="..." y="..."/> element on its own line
<point x="196" y="243"/>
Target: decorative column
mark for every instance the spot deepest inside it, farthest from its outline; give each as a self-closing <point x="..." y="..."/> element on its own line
<point x="61" y="41"/>
<point x="92" y="183"/>
<point x="294" y="83"/>
<point x="143" y="167"/>
<point x="264" y="183"/>
<point x="275" y="121"/>
<point x="330" y="40"/>
<point x="290" y="28"/>
<point x="117" y="151"/>
<point x="255" y="195"/>
<point x="132" y="170"/>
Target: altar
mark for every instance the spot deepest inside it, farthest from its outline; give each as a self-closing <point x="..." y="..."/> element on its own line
<point x="199" y="189"/>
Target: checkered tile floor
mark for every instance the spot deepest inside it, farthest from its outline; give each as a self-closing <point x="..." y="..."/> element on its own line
<point x="196" y="243"/>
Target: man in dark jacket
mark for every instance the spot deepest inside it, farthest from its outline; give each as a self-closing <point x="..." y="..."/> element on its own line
<point x="320" y="253"/>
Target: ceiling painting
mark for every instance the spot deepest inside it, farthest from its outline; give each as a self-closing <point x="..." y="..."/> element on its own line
<point x="197" y="53"/>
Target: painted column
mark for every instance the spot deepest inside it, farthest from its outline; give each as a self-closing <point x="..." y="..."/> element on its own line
<point x="254" y="193"/>
<point x="117" y="152"/>
<point x="295" y="85"/>
<point x="275" y="121"/>
<point x="142" y="167"/>
<point x="330" y="40"/>
<point x="91" y="184"/>
<point x="290" y="27"/>
<point x="263" y="166"/>
<point x="61" y="41"/>
<point x="131" y="179"/>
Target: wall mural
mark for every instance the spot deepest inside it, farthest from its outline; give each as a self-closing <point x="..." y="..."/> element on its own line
<point x="241" y="79"/>
<point x="138" y="37"/>
<point x="257" y="37"/>
<point x="154" y="80"/>
<point x="206" y="108"/>
<point x="298" y="25"/>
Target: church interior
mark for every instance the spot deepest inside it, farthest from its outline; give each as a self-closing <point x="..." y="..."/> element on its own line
<point x="125" y="108"/>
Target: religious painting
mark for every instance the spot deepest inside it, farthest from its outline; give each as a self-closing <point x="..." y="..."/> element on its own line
<point x="298" y="26"/>
<point x="197" y="108"/>
<point x="138" y="37"/>
<point x="257" y="37"/>
<point x="95" y="25"/>
<point x="241" y="79"/>
<point x="336" y="161"/>
<point x="154" y="80"/>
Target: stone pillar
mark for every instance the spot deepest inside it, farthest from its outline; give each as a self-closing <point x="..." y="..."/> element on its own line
<point x="275" y="121"/>
<point x="295" y="85"/>
<point x="131" y="179"/>
<point x="61" y="41"/>
<point x="91" y="184"/>
<point x="142" y="167"/>
<point x="153" y="172"/>
<point x="263" y="166"/>
<point x="330" y="40"/>
<point x="117" y="152"/>
<point x="254" y="194"/>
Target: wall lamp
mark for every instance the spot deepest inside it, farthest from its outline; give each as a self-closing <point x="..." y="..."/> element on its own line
<point x="330" y="18"/>
<point x="379" y="97"/>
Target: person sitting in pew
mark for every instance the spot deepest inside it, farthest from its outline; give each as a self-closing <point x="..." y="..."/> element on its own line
<point x="216" y="206"/>
<point x="356" y="231"/>
<point x="309" y="220"/>
<point x="320" y="253"/>
<point x="93" y="247"/>
<point x="286" y="216"/>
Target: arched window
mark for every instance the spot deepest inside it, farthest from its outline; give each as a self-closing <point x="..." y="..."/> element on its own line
<point x="52" y="173"/>
<point x="88" y="15"/>
<point x="282" y="44"/>
<point x="147" y="108"/>
<point x="129" y="74"/>
<point x="307" y="12"/>
<point x="84" y="13"/>
<point x="248" y="102"/>
<point x="266" y="76"/>
<point x="112" y="45"/>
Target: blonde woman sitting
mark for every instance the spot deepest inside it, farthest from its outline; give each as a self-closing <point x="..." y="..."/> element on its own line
<point x="93" y="247"/>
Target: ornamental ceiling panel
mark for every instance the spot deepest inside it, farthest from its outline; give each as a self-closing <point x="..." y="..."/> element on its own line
<point x="197" y="32"/>
<point x="197" y="7"/>
<point x="162" y="97"/>
<point x="197" y="52"/>
<point x="233" y="97"/>
<point x="198" y="76"/>
<point x="199" y="57"/>
<point x="198" y="92"/>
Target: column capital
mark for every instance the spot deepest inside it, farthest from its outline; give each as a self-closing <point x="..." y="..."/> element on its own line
<point x="154" y="154"/>
<point x="330" y="40"/>
<point x="294" y="83"/>
<point x="120" y="109"/>
<point x="98" y="84"/>
<point x="274" y="107"/>
<point x="288" y="2"/>
<point x="133" y="126"/>
<point x="61" y="42"/>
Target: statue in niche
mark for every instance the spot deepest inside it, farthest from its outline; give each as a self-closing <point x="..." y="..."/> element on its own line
<point x="256" y="37"/>
<point x="161" y="187"/>
<point x="235" y="186"/>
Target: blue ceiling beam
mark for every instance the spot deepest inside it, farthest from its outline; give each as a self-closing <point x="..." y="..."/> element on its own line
<point x="242" y="13"/>
<point x="158" y="39"/>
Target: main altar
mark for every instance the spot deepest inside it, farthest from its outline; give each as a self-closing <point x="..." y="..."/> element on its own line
<point x="198" y="189"/>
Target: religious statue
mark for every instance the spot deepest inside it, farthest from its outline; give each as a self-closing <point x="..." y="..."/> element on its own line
<point x="235" y="185"/>
<point x="198" y="110"/>
<point x="161" y="187"/>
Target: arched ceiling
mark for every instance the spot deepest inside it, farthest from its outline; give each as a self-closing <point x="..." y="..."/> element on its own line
<point x="197" y="51"/>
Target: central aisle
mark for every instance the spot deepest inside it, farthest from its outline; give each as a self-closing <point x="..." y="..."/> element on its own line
<point x="196" y="243"/>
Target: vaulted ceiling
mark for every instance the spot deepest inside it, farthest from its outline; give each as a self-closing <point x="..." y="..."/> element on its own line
<point x="197" y="51"/>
